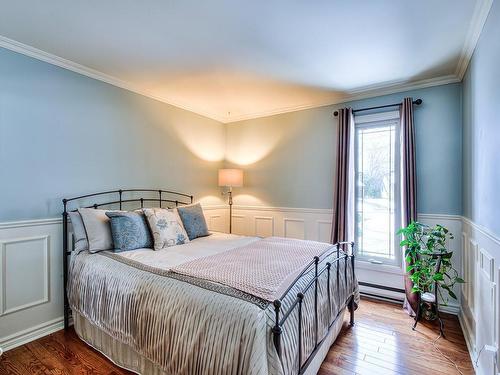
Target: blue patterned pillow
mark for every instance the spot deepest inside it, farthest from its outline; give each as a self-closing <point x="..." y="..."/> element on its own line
<point x="194" y="221"/>
<point x="129" y="230"/>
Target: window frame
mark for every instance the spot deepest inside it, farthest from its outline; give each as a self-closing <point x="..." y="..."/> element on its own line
<point x="387" y="118"/>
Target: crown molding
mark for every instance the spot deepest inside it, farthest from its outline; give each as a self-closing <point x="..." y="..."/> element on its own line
<point x="361" y="93"/>
<point x="35" y="53"/>
<point x="400" y="86"/>
<point x="478" y="20"/>
<point x="481" y="11"/>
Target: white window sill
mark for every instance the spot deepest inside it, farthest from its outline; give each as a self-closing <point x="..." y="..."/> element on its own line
<point x="385" y="268"/>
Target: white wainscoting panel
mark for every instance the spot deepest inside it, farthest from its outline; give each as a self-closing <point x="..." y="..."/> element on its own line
<point x="264" y="226"/>
<point x="479" y="313"/>
<point x="302" y="223"/>
<point x="30" y="280"/>
<point x="216" y="223"/>
<point x="294" y="228"/>
<point x="324" y="230"/>
<point x="240" y="223"/>
<point x="31" y="307"/>
<point x="25" y="273"/>
<point x="217" y="218"/>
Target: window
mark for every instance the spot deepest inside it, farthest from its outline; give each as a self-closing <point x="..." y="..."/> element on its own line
<point x="377" y="187"/>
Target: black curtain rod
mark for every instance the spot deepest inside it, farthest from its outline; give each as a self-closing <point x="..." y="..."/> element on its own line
<point x="417" y="102"/>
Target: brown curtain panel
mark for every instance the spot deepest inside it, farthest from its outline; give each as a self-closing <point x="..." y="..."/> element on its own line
<point x="408" y="186"/>
<point x="343" y="188"/>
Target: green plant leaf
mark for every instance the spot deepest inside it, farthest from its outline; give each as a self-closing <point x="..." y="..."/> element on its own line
<point x="420" y="243"/>
<point x="438" y="276"/>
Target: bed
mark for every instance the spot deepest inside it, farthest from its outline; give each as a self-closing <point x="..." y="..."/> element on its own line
<point x="222" y="304"/>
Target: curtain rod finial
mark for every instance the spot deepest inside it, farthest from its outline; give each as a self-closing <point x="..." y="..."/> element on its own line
<point x="336" y="113"/>
<point x="418" y="101"/>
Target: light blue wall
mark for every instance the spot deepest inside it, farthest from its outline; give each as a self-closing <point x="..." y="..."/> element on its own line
<point x="63" y="134"/>
<point x="297" y="170"/>
<point x="481" y="156"/>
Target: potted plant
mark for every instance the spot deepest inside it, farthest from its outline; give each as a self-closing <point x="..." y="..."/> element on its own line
<point x="428" y="261"/>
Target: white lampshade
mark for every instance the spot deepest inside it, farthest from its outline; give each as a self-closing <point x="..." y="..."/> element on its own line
<point x="231" y="177"/>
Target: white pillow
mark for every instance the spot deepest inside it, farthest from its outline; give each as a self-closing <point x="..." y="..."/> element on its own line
<point x="98" y="229"/>
<point x="166" y="227"/>
<point x="79" y="234"/>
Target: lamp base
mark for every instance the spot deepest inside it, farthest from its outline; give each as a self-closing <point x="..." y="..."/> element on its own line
<point x="230" y="193"/>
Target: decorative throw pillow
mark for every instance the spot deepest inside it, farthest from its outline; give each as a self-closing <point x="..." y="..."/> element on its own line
<point x="79" y="236"/>
<point x="97" y="228"/>
<point x="194" y="221"/>
<point x="129" y="231"/>
<point x="166" y="227"/>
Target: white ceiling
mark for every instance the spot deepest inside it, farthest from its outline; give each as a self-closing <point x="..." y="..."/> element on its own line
<point x="235" y="59"/>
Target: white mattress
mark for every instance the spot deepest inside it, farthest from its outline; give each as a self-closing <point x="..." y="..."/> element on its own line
<point x="200" y="247"/>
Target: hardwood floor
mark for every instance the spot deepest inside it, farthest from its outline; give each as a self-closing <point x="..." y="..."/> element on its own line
<point x="381" y="342"/>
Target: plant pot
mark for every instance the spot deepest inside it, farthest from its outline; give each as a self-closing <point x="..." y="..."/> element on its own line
<point x="429" y="311"/>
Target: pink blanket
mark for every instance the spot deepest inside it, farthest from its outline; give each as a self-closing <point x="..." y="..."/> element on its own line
<point x="265" y="268"/>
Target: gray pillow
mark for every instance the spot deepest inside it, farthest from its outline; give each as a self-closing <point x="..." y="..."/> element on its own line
<point x="79" y="234"/>
<point x="194" y="221"/>
<point x="129" y="230"/>
<point x="97" y="228"/>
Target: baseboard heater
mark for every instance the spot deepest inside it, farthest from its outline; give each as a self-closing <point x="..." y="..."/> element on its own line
<point x="382" y="287"/>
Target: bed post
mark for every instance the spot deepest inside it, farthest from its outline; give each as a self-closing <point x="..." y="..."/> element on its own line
<point x="65" y="263"/>
<point x="338" y="269"/>
<point x="300" y="300"/>
<point x="277" y="328"/>
<point x="351" y="305"/>
<point x="352" y="263"/>
<point x="316" y="325"/>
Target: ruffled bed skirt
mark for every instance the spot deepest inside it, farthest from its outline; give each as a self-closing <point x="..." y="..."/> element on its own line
<point x="124" y="356"/>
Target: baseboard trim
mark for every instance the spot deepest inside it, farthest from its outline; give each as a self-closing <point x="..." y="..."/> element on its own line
<point x="450" y="309"/>
<point x="377" y="297"/>
<point x="27" y="335"/>
<point x="467" y="336"/>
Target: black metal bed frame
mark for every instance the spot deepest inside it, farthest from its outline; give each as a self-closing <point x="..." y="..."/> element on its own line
<point x="298" y="302"/>
<point x="164" y="196"/>
<point x="176" y="198"/>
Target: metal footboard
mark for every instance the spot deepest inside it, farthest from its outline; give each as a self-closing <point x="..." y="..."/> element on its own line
<point x="342" y="252"/>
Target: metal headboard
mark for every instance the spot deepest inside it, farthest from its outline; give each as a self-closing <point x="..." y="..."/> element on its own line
<point x="113" y="199"/>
